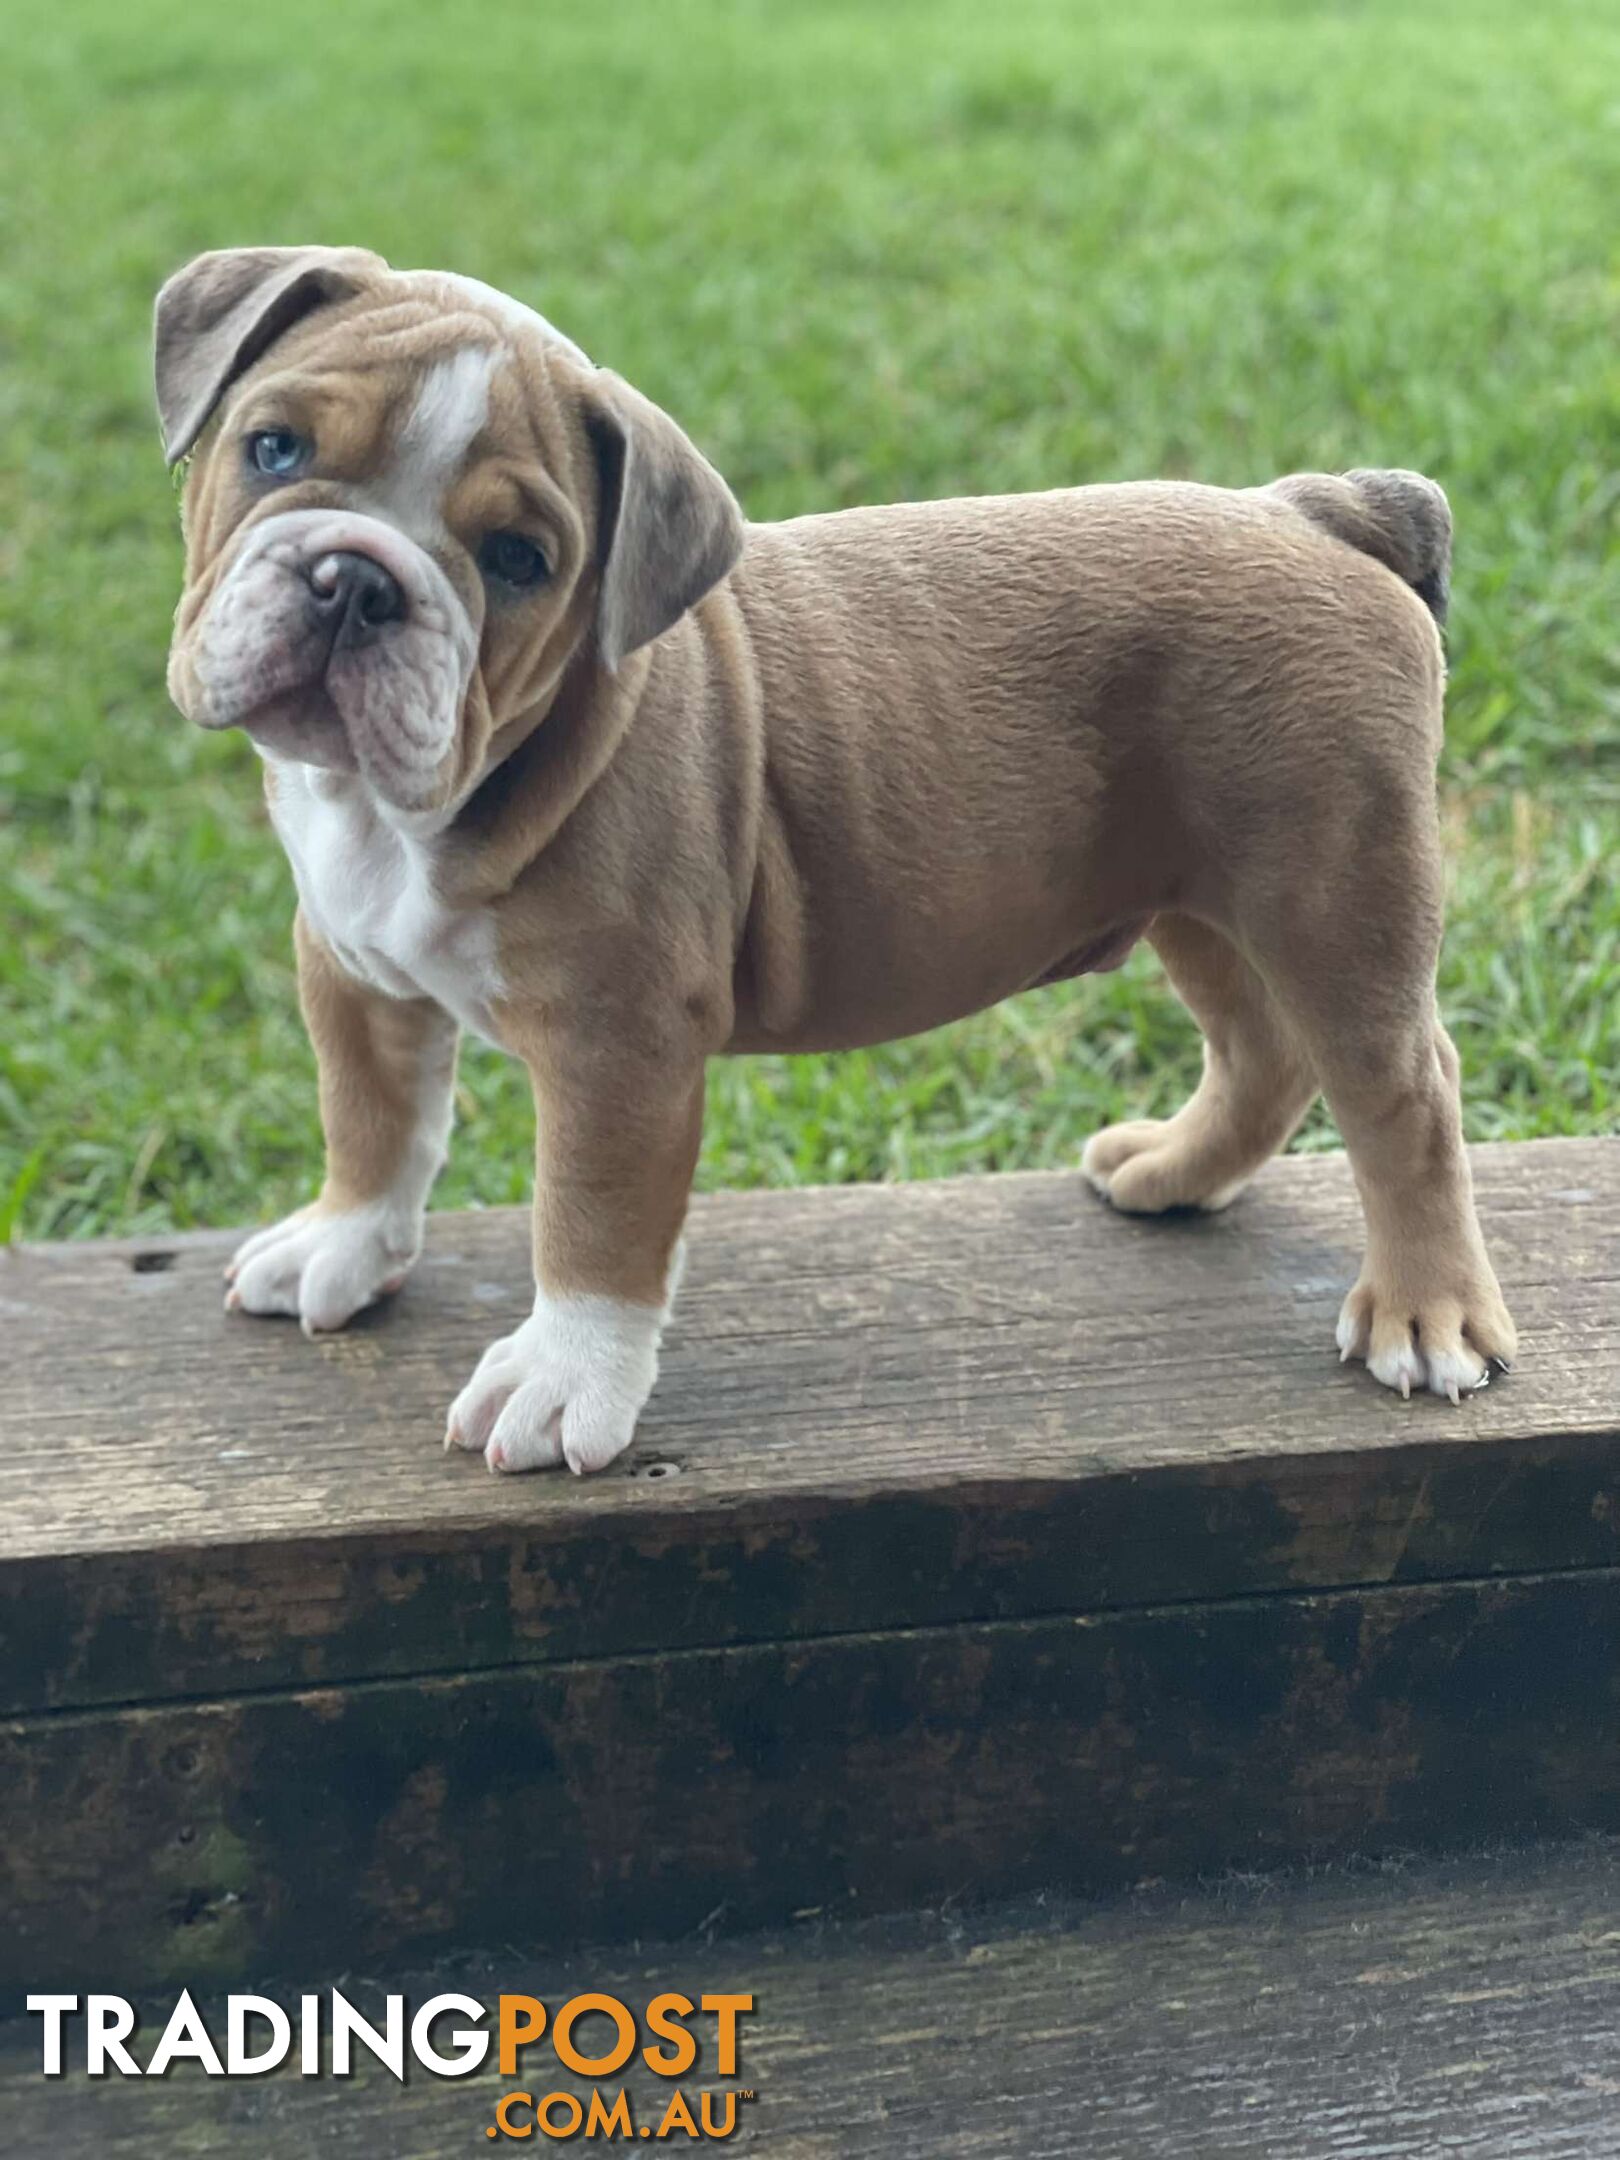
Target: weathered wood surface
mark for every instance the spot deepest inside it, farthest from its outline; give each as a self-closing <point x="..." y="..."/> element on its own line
<point x="880" y="1409"/>
<point x="606" y="1799"/>
<point x="1000" y="1543"/>
<point x="1470" y="2008"/>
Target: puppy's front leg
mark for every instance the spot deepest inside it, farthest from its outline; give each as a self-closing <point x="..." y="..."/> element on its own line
<point x="387" y="1076"/>
<point x="618" y="1126"/>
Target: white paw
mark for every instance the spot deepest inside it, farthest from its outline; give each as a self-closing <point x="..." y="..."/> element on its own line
<point x="566" y="1387"/>
<point x="1456" y="1372"/>
<point x="322" y="1267"/>
<point x="1400" y="1365"/>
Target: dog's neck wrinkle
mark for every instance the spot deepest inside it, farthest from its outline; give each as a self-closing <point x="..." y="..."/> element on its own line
<point x="526" y="798"/>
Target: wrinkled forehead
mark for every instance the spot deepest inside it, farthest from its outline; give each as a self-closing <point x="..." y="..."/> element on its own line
<point x="414" y="379"/>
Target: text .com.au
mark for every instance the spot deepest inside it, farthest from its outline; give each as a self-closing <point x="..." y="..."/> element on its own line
<point x="691" y="2046"/>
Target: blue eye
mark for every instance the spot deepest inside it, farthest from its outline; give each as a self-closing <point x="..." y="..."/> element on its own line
<point x="277" y="451"/>
<point x="512" y="559"/>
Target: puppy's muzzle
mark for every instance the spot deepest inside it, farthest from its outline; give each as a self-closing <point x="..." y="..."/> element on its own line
<point x="336" y="639"/>
<point x="357" y="596"/>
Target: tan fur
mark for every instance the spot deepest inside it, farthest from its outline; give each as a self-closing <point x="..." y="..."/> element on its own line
<point x="900" y="763"/>
<point x="370" y="1050"/>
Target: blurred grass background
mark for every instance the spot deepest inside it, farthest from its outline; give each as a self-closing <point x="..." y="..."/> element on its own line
<point x="862" y="252"/>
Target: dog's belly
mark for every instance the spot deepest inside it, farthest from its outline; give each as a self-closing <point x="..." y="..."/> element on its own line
<point x="368" y="893"/>
<point x="1098" y="955"/>
<point x="856" y="1006"/>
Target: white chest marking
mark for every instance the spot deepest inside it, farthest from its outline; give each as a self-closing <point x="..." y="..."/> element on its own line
<point x="368" y="892"/>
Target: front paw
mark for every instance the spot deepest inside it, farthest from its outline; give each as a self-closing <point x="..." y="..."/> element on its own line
<point x="323" y="1265"/>
<point x="566" y="1387"/>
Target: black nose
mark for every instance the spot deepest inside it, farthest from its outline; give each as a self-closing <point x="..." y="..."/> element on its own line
<point x="356" y="594"/>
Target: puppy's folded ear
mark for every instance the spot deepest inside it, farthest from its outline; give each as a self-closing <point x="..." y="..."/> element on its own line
<point x="217" y="315"/>
<point x="669" y="527"/>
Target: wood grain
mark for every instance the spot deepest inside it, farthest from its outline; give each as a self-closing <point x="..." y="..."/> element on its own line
<point x="607" y="1799"/>
<point x="881" y="1408"/>
<point x="1468" y="2007"/>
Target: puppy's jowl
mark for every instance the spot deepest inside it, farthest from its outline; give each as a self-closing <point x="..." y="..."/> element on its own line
<point x="563" y="751"/>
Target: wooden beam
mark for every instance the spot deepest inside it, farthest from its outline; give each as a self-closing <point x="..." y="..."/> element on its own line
<point x="620" y="1797"/>
<point x="976" y="1539"/>
<point x="880" y="1407"/>
<point x="1466" y="2006"/>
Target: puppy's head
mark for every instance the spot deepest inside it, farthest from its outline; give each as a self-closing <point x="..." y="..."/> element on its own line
<point x="411" y="502"/>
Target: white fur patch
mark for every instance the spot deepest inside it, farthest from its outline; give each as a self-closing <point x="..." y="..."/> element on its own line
<point x="368" y="890"/>
<point x="323" y="1266"/>
<point x="512" y="312"/>
<point x="565" y="1387"/>
<point x="1453" y="1370"/>
<point x="451" y="408"/>
<point x="322" y="1269"/>
<point x="1456" y="1372"/>
<point x="1400" y="1367"/>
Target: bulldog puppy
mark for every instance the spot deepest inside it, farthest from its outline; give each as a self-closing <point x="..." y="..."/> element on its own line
<point x="565" y="752"/>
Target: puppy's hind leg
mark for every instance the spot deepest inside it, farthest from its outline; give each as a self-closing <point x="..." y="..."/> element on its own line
<point x="1258" y="1084"/>
<point x="1358" y="985"/>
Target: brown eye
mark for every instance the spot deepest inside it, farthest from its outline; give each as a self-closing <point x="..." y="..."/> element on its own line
<point x="513" y="560"/>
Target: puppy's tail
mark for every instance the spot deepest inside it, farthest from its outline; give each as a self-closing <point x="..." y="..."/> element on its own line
<point x="1401" y="518"/>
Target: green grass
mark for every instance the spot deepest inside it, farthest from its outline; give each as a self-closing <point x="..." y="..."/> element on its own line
<point x="863" y="252"/>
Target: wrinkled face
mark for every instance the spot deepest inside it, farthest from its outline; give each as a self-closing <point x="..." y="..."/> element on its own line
<point x="391" y="529"/>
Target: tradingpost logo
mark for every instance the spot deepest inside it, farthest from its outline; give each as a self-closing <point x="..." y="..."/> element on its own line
<point x="691" y="2046"/>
